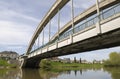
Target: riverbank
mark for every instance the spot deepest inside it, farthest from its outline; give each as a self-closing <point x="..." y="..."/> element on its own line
<point x="4" y="64"/>
<point x="54" y="66"/>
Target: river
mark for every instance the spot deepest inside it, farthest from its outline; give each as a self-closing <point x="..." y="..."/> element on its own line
<point x="101" y="73"/>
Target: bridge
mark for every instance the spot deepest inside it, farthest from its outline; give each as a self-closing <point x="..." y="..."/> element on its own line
<point x="96" y="28"/>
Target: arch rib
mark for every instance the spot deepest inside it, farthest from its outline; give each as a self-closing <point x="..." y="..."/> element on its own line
<point x="50" y="14"/>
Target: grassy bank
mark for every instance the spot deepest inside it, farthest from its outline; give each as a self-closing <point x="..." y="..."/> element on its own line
<point x="51" y="65"/>
<point x="5" y="64"/>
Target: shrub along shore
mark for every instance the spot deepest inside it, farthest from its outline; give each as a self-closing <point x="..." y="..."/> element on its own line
<point x="113" y="61"/>
<point x="52" y="65"/>
<point x="4" y="64"/>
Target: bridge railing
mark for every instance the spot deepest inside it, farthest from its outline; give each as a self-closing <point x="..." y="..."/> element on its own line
<point x="104" y="14"/>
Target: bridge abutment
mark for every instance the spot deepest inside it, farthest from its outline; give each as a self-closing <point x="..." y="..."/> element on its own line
<point x="30" y="63"/>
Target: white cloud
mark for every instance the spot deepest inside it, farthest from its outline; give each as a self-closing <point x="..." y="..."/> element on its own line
<point x="9" y="14"/>
<point x="14" y="33"/>
<point x="14" y="47"/>
<point x="18" y="21"/>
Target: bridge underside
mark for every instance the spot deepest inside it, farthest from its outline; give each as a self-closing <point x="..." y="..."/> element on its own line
<point x="31" y="63"/>
<point x="107" y="40"/>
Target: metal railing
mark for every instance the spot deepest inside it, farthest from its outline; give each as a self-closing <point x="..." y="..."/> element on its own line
<point x="103" y="15"/>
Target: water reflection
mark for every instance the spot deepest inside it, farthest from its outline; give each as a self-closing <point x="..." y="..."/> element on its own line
<point x="100" y="73"/>
<point x="9" y="74"/>
<point x="30" y="74"/>
<point x="115" y="72"/>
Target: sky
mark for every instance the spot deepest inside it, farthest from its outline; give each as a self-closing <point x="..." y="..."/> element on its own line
<point x="20" y="18"/>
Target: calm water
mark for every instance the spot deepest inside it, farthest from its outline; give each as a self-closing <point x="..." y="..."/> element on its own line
<point x="108" y="73"/>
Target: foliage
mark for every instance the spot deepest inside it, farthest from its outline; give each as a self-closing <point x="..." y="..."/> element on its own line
<point x="45" y="64"/>
<point x="114" y="59"/>
<point x="4" y="63"/>
<point x="115" y="72"/>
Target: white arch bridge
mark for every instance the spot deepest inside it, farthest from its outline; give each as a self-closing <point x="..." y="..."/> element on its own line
<point x="96" y="28"/>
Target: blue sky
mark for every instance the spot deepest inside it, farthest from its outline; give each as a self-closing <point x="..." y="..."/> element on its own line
<point x="20" y="18"/>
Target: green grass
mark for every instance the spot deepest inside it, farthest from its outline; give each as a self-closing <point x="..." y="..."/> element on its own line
<point x="73" y="66"/>
<point x="4" y="63"/>
<point x="59" y="66"/>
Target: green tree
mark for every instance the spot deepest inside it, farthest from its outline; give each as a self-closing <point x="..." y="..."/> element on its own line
<point x="75" y="60"/>
<point x="45" y="64"/>
<point x="114" y="59"/>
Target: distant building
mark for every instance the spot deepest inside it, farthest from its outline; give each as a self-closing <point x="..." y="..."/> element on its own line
<point x="97" y="62"/>
<point x="84" y="61"/>
<point x="66" y="60"/>
<point x="54" y="59"/>
<point x="8" y="55"/>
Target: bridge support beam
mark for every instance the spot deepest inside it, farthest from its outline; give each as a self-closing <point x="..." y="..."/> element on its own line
<point x="58" y="23"/>
<point x="49" y="33"/>
<point x="22" y="61"/>
<point x="71" y="39"/>
<point x="43" y="38"/>
<point x="72" y="15"/>
<point x="98" y="28"/>
<point x="98" y="25"/>
<point x="49" y="29"/>
<point x="38" y="41"/>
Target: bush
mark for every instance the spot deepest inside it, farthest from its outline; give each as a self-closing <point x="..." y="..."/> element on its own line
<point x="45" y="64"/>
<point x="114" y="59"/>
<point x="3" y="62"/>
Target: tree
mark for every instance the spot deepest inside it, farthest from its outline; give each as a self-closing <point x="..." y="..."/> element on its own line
<point x="75" y="59"/>
<point x="45" y="64"/>
<point x="114" y="59"/>
<point x="80" y="60"/>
